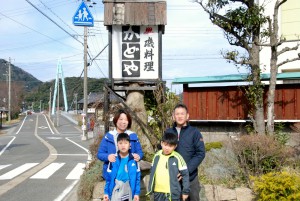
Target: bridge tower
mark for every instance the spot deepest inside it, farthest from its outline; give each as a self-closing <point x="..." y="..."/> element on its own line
<point x="59" y="75"/>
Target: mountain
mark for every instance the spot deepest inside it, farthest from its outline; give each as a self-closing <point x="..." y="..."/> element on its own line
<point x="37" y="92"/>
<point x="18" y="75"/>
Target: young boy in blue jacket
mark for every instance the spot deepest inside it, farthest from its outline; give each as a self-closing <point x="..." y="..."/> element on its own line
<point x="123" y="181"/>
<point x="166" y="166"/>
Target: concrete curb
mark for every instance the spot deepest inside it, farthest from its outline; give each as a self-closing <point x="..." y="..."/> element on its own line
<point x="69" y="117"/>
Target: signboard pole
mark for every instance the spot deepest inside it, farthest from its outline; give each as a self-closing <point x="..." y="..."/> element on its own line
<point x="84" y="137"/>
<point x="83" y="17"/>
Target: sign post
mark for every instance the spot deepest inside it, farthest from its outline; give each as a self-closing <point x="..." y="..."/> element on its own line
<point x="83" y="17"/>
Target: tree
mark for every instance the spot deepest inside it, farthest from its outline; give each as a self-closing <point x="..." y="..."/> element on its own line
<point x="241" y="24"/>
<point x="275" y="43"/>
<point x="243" y="28"/>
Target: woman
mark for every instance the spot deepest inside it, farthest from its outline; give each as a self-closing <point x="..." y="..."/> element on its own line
<point x="108" y="146"/>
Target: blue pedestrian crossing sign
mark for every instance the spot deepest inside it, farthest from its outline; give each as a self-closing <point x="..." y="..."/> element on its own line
<point x="83" y="16"/>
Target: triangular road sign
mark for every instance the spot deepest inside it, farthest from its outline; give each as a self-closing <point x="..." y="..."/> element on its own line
<point x="83" y="16"/>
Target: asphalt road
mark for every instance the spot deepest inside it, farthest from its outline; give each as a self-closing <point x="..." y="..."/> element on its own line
<point x="39" y="161"/>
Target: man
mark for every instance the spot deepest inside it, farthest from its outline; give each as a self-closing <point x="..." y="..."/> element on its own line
<point x="190" y="146"/>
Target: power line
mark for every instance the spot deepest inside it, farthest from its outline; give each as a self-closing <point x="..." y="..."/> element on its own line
<point x="35" y="30"/>
<point x="58" y="17"/>
<point x="54" y="22"/>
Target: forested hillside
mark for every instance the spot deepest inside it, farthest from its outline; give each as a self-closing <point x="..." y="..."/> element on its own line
<point x="18" y="76"/>
<point x="73" y="85"/>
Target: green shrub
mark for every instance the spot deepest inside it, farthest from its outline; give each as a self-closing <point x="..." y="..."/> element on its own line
<point x="88" y="181"/>
<point x="279" y="134"/>
<point x="213" y="145"/>
<point x="283" y="186"/>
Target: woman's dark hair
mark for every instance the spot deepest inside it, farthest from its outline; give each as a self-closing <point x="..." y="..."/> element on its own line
<point x="117" y="116"/>
<point x="123" y="136"/>
<point x="170" y="138"/>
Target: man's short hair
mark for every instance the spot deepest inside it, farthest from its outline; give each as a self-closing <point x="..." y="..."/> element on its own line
<point x="170" y="138"/>
<point x="123" y="136"/>
<point x="181" y="105"/>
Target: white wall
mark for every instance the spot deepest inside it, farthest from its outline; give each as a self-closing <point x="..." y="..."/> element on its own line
<point x="289" y="27"/>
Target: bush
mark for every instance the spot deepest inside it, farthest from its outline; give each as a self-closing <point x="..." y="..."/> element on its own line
<point x="213" y="145"/>
<point x="95" y="145"/>
<point x="260" y="154"/>
<point x="88" y="181"/>
<point x="277" y="186"/>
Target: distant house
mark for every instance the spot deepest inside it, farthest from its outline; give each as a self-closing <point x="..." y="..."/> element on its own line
<point x="95" y="103"/>
<point x="94" y="100"/>
<point x="91" y="100"/>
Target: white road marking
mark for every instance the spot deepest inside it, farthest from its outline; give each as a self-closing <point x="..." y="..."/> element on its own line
<point x="88" y="152"/>
<point x="43" y="127"/>
<point x="69" y="154"/>
<point x="76" y="172"/>
<point x="47" y="171"/>
<point x="21" y="125"/>
<point x="4" y="166"/>
<point x="54" y="138"/>
<point x="66" y="191"/>
<point x="48" y="124"/>
<point x="2" y="151"/>
<point x="17" y="171"/>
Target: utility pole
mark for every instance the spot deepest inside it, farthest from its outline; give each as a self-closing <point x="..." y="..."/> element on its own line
<point x="57" y="111"/>
<point x="50" y="102"/>
<point x="84" y="129"/>
<point x="9" y="90"/>
<point x="40" y="106"/>
<point x="76" y="95"/>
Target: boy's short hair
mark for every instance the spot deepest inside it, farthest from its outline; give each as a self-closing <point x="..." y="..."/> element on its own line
<point x="170" y="138"/>
<point x="181" y="105"/>
<point x="123" y="136"/>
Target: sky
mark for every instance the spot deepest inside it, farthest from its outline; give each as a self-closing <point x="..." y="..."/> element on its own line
<point x="191" y="45"/>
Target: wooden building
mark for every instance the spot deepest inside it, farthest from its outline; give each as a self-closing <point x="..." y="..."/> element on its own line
<point x="229" y="104"/>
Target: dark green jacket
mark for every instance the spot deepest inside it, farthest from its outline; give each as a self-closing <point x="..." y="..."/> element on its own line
<point x="176" y="164"/>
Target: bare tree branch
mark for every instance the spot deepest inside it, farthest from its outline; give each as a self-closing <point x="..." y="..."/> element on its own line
<point x="287" y="49"/>
<point x="287" y="61"/>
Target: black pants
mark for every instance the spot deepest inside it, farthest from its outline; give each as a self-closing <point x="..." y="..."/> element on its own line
<point x="194" y="190"/>
<point x="162" y="197"/>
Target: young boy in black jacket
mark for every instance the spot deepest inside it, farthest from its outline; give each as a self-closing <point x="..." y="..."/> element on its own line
<point x="166" y="165"/>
